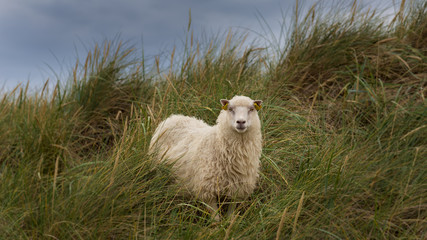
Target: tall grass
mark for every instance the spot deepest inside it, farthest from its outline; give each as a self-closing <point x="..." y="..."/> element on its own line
<point x="344" y="128"/>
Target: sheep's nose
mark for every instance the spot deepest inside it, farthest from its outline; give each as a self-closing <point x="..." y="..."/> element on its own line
<point x="241" y="121"/>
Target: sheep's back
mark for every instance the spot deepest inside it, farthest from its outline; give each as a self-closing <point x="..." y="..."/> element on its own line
<point x="177" y="134"/>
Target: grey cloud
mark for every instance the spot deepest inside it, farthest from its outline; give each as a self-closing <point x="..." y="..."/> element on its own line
<point x="33" y="32"/>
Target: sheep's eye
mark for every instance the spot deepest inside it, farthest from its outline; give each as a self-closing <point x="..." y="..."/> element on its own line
<point x="251" y="109"/>
<point x="230" y="109"/>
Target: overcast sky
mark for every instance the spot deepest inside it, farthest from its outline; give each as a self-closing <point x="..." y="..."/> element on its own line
<point x="41" y="38"/>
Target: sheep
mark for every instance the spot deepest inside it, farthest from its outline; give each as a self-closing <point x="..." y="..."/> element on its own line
<point x="211" y="162"/>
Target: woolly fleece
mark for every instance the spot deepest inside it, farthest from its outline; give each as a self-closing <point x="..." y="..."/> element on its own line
<point x="212" y="161"/>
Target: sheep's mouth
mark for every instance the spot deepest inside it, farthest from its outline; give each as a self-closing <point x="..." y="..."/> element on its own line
<point x="241" y="129"/>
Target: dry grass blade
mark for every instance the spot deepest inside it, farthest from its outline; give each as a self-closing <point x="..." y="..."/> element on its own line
<point x="297" y="214"/>
<point x="227" y="232"/>
<point x="54" y="181"/>
<point x="282" y="221"/>
<point x="118" y="154"/>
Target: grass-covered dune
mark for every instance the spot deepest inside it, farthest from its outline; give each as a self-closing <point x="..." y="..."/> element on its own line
<point x="344" y="128"/>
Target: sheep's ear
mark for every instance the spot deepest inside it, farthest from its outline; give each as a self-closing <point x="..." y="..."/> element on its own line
<point x="258" y="104"/>
<point x="224" y="103"/>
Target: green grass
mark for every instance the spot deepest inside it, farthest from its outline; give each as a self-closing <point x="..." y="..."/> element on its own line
<point x="344" y="128"/>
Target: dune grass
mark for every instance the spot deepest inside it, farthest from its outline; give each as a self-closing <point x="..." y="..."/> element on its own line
<point x="344" y="128"/>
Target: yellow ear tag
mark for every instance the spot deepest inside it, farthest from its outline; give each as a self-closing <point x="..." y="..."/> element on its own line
<point x="257" y="107"/>
<point x="225" y="107"/>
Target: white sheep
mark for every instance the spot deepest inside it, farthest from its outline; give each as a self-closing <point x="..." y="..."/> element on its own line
<point x="218" y="161"/>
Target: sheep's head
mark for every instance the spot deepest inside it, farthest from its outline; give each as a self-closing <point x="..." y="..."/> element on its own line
<point x="241" y="112"/>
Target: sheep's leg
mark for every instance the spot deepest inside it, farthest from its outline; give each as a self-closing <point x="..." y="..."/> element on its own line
<point x="231" y="208"/>
<point x="214" y="209"/>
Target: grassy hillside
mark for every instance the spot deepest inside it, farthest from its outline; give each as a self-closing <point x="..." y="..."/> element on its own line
<point x="344" y="128"/>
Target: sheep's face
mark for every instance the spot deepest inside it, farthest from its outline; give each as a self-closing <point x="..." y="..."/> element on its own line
<point x="241" y="112"/>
